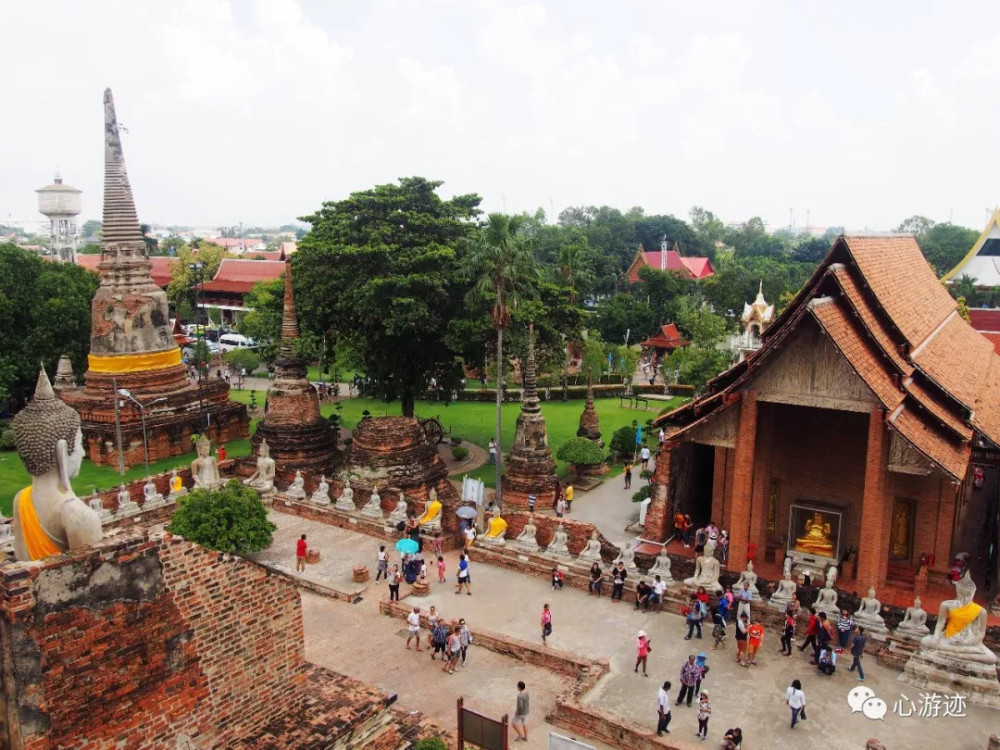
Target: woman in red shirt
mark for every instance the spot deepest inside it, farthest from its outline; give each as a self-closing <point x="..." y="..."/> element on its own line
<point x="300" y="555"/>
<point x="702" y="595"/>
<point x="642" y="652"/>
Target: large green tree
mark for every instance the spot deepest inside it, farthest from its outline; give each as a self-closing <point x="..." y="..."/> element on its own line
<point x="501" y="265"/>
<point x="182" y="289"/>
<point x="379" y="271"/>
<point x="44" y="313"/>
<point x="623" y="314"/>
<point x="944" y="245"/>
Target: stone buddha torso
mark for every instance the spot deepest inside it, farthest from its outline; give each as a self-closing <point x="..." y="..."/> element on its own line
<point x="149" y="494"/>
<point x="322" y="494"/>
<point x="914" y="622"/>
<point x="48" y="517"/>
<point x="558" y="544"/>
<point x="124" y="496"/>
<point x="869" y="613"/>
<point x="176" y="484"/>
<point x="527" y="536"/>
<point x="262" y="479"/>
<point x="706" y="573"/>
<point x="399" y="512"/>
<point x="961" y="626"/>
<point x="662" y="568"/>
<point x="748" y="576"/>
<point x="626" y="555"/>
<point x="784" y="591"/>
<point x="297" y="489"/>
<point x="205" y="468"/>
<point x="345" y="501"/>
<point x="373" y="508"/>
<point x="592" y="549"/>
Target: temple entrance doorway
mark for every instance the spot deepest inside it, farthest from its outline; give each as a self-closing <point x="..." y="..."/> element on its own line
<point x="703" y="469"/>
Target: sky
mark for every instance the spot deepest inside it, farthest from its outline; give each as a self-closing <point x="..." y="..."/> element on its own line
<point x="857" y="114"/>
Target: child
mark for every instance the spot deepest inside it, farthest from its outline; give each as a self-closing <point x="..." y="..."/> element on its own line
<point x="423" y="570"/>
<point x="441" y="567"/>
<point x="383" y="564"/>
<point x="546" y="622"/>
<point x="557" y="578"/>
<point x="719" y="631"/>
<point x="755" y="636"/>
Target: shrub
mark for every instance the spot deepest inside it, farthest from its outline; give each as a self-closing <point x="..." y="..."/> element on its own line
<point x="6" y="436"/>
<point x="231" y="519"/>
<point x="623" y="441"/>
<point x="580" y="452"/>
<point x="456" y="441"/>
<point x="431" y="743"/>
<point x="245" y="358"/>
<point x="460" y="452"/>
<point x="644" y="492"/>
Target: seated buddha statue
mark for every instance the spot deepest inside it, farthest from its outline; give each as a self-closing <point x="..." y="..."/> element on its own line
<point x="592" y="549"/>
<point x="176" y="484"/>
<point x="205" y="468"/>
<point x="914" y="622"/>
<point x="432" y="511"/>
<point x="150" y="496"/>
<point x="961" y="626"/>
<point x="262" y="479"/>
<point x="558" y="545"/>
<point x="373" y="508"/>
<point x="297" y="489"/>
<point x="816" y="539"/>
<point x="496" y="531"/>
<point x="48" y="516"/>
<point x="526" y="539"/>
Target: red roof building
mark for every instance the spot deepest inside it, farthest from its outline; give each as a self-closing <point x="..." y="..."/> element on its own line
<point x="866" y="427"/>
<point x="670" y="260"/>
<point x="664" y="341"/>
<point x="986" y="320"/>
<point x="239" y="245"/>
<point x="232" y="282"/>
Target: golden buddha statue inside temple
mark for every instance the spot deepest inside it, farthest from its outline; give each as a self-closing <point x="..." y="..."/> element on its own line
<point x="816" y="540"/>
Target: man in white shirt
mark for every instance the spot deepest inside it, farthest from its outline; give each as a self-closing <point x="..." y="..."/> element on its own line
<point x="663" y="710"/>
<point x="644" y="456"/>
<point x="657" y="596"/>
<point x="413" y="621"/>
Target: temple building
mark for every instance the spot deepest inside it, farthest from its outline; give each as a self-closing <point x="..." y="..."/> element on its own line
<point x="864" y="430"/>
<point x="223" y="296"/>
<point x="666" y="259"/>
<point x="300" y="438"/>
<point x="132" y="347"/>
<point x="756" y="317"/>
<point x="982" y="262"/>
<point x="530" y="468"/>
<point x="663" y="343"/>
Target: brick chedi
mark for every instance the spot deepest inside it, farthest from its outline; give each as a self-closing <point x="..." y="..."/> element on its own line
<point x="299" y="437"/>
<point x="394" y="453"/>
<point x="530" y="468"/>
<point x="131" y="345"/>
<point x="590" y="423"/>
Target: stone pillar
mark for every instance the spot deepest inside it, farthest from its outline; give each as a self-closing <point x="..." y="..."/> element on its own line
<point x="873" y="544"/>
<point x="947" y="505"/>
<point x="738" y="509"/>
<point x="659" y="516"/>
<point x="719" y="484"/>
<point x="761" y="475"/>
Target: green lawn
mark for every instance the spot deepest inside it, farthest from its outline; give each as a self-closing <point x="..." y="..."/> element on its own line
<point x="472" y="421"/>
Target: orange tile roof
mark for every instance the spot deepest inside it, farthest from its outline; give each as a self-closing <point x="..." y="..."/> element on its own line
<point x="858" y="350"/>
<point x="951" y="455"/>
<point x="871" y="318"/>
<point x="956" y="358"/>
<point x="903" y="283"/>
<point x="929" y="398"/>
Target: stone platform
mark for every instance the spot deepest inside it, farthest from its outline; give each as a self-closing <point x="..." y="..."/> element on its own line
<point x="940" y="672"/>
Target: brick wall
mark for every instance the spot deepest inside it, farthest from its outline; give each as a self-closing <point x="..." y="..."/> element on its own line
<point x="578" y="532"/>
<point x="141" y="640"/>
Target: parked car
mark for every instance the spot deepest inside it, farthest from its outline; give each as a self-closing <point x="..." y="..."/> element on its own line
<point x="230" y="341"/>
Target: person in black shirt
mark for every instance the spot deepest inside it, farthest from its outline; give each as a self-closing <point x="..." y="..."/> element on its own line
<point x="619" y="575"/>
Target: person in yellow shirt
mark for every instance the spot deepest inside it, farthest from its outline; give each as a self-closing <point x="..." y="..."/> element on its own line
<point x="569" y="498"/>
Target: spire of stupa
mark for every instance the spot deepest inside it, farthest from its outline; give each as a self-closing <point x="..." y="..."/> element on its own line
<point x="289" y="320"/>
<point x="121" y="222"/>
<point x="530" y="399"/>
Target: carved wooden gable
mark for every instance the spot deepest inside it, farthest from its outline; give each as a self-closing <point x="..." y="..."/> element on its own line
<point x="905" y="459"/>
<point x="810" y="371"/>
<point x="719" y="429"/>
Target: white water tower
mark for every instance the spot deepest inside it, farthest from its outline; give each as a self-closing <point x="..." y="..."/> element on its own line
<point x="61" y="205"/>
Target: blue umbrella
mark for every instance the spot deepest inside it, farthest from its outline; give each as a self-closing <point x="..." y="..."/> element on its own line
<point x="638" y="435"/>
<point x="407" y="546"/>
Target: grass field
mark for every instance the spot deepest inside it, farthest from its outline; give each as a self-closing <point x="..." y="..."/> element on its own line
<point x="471" y="421"/>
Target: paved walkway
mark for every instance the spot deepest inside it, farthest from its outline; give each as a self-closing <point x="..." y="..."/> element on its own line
<point x="610" y="508"/>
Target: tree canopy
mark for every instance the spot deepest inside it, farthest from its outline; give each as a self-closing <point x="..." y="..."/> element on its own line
<point x="230" y="519"/>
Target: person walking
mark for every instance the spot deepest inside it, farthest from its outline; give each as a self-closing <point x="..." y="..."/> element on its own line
<point x="702" y="661"/>
<point x="441" y="569"/>
<point x="690" y="674"/>
<point x="644" y="457"/>
<point x="546" y="622"/>
<point x="628" y="475"/>
<point x="382" y="565"/>
<point x="618" y="576"/>
<point x="795" y="699"/>
<point x="464" y="579"/>
<point x="755" y="638"/>
<point x="596" y="580"/>
<point x="520" y="720"/>
<point x="454" y="651"/>
<point x="532" y="499"/>
<point x="857" y="652"/>
<point x="787" y="632"/>
<point x="395" y="577"/>
<point x="824" y="636"/>
<point x="301" y="548"/>
<point x="470" y="535"/>
<point x="642" y="652"/>
<point x="560" y="507"/>
<point x="465" y="638"/>
<point x="719" y="629"/>
<point x="811" y="630"/>
<point x="663" y="709"/>
<point x="743" y="597"/>
<point x="694" y="616"/>
<point x="569" y="498"/>
<point x="493" y="451"/>
<point x="704" y="713"/>
<point x="742" y="626"/>
<point x="413" y="623"/>
<point x="439" y="639"/>
<point x="845" y="624"/>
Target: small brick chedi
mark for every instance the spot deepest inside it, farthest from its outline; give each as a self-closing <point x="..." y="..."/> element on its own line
<point x="394" y="453"/>
<point x="590" y="423"/>
<point x="530" y="468"/>
<point x="132" y="348"/>
<point x="299" y="437"/>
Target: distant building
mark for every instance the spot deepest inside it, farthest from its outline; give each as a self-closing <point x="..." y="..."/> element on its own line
<point x="755" y="320"/>
<point x="982" y="262"/>
<point x="239" y="245"/>
<point x="61" y="204"/>
<point x="232" y="282"/>
<point x="160" y="267"/>
<point x="665" y="259"/>
<point x="663" y="343"/>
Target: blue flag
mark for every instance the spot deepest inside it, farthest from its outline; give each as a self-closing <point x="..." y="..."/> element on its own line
<point x="638" y="435"/>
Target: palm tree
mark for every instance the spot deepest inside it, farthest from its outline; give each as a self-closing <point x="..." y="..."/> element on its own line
<point x="573" y="269"/>
<point x="501" y="265"/>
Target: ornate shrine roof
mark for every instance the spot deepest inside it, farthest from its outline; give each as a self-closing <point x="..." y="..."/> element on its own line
<point x="884" y="310"/>
<point x="668" y="337"/>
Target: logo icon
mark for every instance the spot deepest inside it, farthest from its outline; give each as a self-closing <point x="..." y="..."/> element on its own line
<point x="863" y="699"/>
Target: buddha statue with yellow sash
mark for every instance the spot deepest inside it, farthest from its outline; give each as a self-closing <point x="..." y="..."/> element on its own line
<point x="432" y="511"/>
<point x="496" y="531"/>
<point x="961" y="626"/>
<point x="48" y="517"/>
<point x="816" y="540"/>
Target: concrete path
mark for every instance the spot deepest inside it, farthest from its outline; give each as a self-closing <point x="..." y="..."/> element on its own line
<point x="610" y="508"/>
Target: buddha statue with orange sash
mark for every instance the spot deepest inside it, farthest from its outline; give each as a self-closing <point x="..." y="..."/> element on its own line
<point x="48" y="517"/>
<point x="961" y="626"/>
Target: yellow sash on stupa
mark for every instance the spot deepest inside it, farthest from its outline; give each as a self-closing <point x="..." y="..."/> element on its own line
<point x="959" y="619"/>
<point x="39" y="543"/>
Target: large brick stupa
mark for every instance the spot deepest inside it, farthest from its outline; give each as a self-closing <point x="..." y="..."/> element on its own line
<point x="132" y="347"/>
